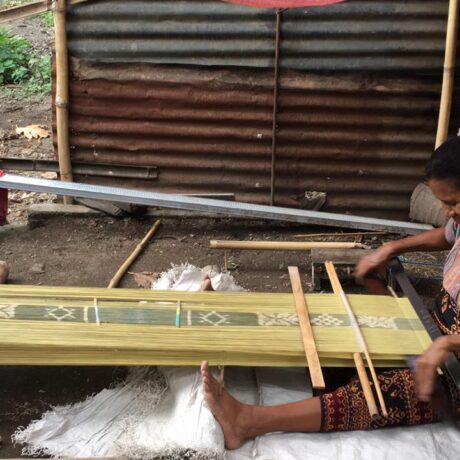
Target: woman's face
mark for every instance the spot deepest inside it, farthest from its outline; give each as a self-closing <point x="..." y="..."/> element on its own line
<point x="449" y="195"/>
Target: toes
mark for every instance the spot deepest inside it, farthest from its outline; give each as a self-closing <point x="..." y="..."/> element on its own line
<point x="204" y="367"/>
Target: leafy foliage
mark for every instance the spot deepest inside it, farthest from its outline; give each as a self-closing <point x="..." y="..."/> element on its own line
<point x="47" y="18"/>
<point x="20" y="64"/>
<point x="14" y="56"/>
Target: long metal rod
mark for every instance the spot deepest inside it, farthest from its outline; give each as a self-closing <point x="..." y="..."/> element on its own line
<point x="247" y="210"/>
<point x="275" y="105"/>
<point x="87" y="169"/>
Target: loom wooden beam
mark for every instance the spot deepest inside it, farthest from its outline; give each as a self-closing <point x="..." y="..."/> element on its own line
<point x="282" y="245"/>
<point x="30" y="9"/>
<point x="308" y="338"/>
<point x="337" y="287"/>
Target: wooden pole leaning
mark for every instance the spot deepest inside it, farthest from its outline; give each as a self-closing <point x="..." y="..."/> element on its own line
<point x="448" y="74"/>
<point x="62" y="94"/>
<point x="337" y="288"/>
<point x="308" y="338"/>
<point x="283" y="245"/>
<point x="133" y="256"/>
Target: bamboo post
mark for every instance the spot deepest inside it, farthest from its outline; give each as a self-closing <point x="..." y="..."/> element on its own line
<point x="275" y="105"/>
<point x="283" y="245"/>
<point x="62" y="94"/>
<point x="448" y="74"/>
<point x="311" y="352"/>
<point x="132" y="257"/>
<point x="337" y="288"/>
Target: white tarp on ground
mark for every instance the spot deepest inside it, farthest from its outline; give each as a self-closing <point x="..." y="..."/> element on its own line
<point x="161" y="413"/>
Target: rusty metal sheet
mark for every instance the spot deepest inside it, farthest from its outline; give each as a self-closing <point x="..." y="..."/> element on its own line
<point x="361" y="139"/>
<point x="355" y="35"/>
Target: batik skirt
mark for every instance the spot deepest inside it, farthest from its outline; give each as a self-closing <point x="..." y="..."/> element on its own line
<point x="345" y="408"/>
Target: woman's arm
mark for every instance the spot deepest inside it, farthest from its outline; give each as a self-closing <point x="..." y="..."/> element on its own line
<point x="428" y="363"/>
<point x="432" y="240"/>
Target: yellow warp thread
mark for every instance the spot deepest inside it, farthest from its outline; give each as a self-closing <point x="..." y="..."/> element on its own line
<point x="58" y="342"/>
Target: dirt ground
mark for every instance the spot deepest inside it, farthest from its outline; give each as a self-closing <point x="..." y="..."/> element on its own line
<point x="88" y="251"/>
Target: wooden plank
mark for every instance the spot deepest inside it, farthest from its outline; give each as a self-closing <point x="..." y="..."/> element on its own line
<point x="30" y="9"/>
<point x="365" y="385"/>
<point x="311" y="351"/>
<point x="337" y="287"/>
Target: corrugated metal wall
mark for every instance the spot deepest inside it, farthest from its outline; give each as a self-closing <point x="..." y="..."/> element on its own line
<point x="355" y="35"/>
<point x="361" y="136"/>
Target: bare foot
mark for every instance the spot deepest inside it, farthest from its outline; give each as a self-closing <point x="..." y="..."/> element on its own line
<point x="206" y="285"/>
<point x="230" y="413"/>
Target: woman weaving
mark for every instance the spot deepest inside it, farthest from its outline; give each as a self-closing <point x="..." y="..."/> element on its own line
<point x="407" y="397"/>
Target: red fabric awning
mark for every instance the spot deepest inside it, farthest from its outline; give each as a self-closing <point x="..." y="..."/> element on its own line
<point x="283" y="3"/>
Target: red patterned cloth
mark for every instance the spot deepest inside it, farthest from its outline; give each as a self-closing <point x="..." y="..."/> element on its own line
<point x="345" y="408"/>
<point x="283" y="3"/>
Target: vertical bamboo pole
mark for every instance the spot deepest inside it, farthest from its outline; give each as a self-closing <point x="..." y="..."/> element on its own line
<point x="275" y="105"/>
<point x="62" y="93"/>
<point x="448" y="74"/>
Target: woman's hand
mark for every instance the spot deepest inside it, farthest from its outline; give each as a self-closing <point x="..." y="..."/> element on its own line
<point x="374" y="262"/>
<point x="427" y="365"/>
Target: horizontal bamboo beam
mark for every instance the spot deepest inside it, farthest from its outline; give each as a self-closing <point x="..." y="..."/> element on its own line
<point x="283" y="245"/>
<point x="31" y="9"/>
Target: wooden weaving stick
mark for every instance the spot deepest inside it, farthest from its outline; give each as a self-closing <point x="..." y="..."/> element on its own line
<point x="311" y="351"/>
<point x="359" y="335"/>
<point x="362" y="374"/>
<point x="283" y="245"/>
<point x="132" y="257"/>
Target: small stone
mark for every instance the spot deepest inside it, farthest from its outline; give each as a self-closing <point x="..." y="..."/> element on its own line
<point x="37" y="268"/>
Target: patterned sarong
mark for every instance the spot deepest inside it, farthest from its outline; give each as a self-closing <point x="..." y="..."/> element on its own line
<point x="345" y="408"/>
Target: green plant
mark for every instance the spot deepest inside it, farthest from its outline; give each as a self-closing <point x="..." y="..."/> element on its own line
<point x="47" y="18"/>
<point x="14" y="56"/>
<point x="20" y="64"/>
<point x="40" y="75"/>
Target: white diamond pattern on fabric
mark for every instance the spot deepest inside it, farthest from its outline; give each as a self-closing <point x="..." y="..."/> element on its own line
<point x="60" y="313"/>
<point x="326" y="320"/>
<point x="277" y="319"/>
<point x="383" y="322"/>
<point x="7" y="311"/>
<point x="214" y="318"/>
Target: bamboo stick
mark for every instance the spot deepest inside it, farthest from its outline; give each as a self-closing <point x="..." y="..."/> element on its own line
<point x="62" y="94"/>
<point x="282" y="245"/>
<point x="275" y="105"/>
<point x="359" y="364"/>
<point x="315" y="235"/>
<point x="365" y="385"/>
<point x="448" y="74"/>
<point x="132" y="257"/>
<point x="30" y="9"/>
<point x="311" y="352"/>
<point x="359" y="335"/>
